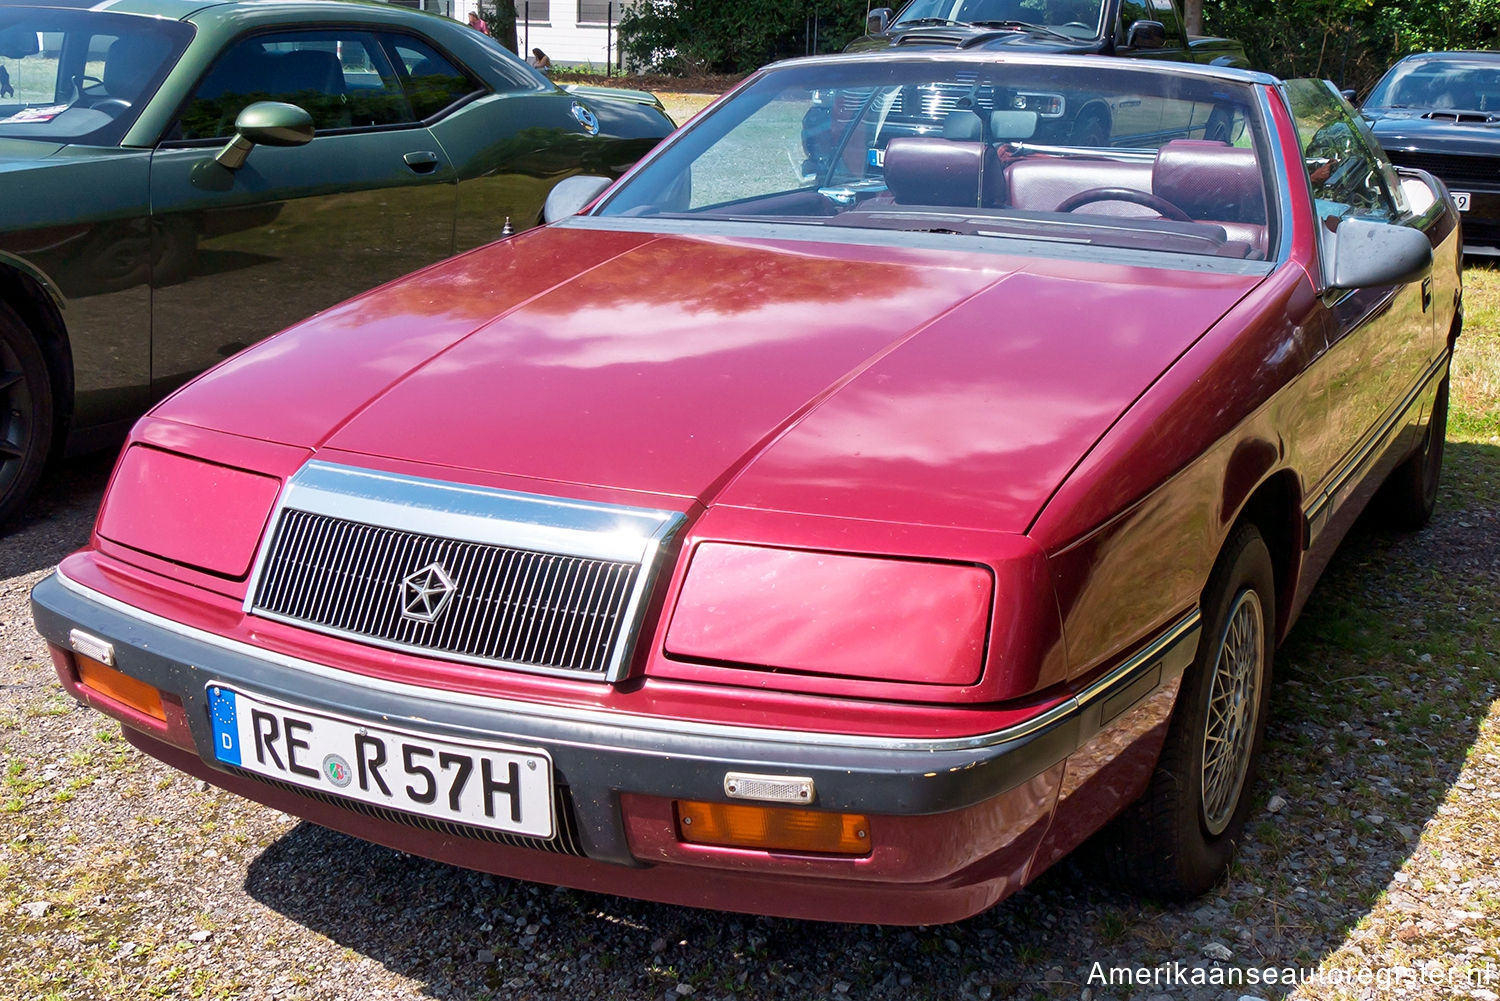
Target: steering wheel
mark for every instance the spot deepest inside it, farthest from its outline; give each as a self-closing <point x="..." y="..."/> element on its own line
<point x="1078" y="24"/>
<point x="1155" y="203"/>
<point x="114" y="107"/>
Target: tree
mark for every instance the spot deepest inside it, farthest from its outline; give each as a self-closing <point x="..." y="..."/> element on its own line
<point x="733" y="36"/>
<point x="500" y="17"/>
<point x="1192" y="16"/>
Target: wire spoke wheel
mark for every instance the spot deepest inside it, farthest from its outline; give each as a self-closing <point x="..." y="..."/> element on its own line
<point x="1233" y="701"/>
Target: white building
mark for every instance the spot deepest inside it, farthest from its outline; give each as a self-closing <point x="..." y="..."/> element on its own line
<point x="572" y="32"/>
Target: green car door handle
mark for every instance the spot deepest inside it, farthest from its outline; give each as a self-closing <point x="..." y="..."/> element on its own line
<point x="422" y="161"/>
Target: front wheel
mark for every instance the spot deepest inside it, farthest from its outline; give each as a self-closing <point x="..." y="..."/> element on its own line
<point x="25" y="413"/>
<point x="1177" y="841"/>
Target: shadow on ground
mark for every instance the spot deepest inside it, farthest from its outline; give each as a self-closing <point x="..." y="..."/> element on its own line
<point x="1382" y="688"/>
<point x="59" y="516"/>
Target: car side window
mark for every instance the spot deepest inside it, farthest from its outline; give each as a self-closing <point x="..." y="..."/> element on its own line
<point x="432" y="82"/>
<point x="1348" y="172"/>
<point x="342" y="78"/>
<point x="1166" y="13"/>
<point x="1132" y="11"/>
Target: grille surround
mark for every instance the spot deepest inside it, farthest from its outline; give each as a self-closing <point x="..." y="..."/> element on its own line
<point x="541" y="585"/>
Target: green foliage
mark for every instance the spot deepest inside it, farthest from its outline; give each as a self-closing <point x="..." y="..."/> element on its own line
<point x="733" y="36"/>
<point x="1351" y="42"/>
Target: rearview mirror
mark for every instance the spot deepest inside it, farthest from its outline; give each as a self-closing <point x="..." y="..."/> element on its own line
<point x="1361" y="254"/>
<point x="877" y="20"/>
<point x="1146" y="35"/>
<point x="571" y="194"/>
<point x="266" y="123"/>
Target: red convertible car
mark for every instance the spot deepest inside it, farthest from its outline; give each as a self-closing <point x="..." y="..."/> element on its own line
<point x="840" y="526"/>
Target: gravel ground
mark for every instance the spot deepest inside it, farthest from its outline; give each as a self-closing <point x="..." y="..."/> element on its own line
<point x="1372" y="859"/>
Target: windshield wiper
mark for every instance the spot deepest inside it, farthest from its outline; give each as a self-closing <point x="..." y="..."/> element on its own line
<point x="1022" y="26"/>
<point x="914" y="22"/>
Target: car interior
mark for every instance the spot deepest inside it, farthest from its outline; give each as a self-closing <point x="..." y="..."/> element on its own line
<point x="1064" y="160"/>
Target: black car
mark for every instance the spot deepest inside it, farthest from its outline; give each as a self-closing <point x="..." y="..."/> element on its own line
<point x="1440" y="111"/>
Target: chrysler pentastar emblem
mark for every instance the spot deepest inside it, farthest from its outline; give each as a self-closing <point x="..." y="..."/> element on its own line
<point x="425" y="593"/>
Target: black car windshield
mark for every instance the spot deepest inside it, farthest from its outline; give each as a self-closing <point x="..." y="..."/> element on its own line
<point x="1071" y="18"/>
<point x="1458" y="82"/>
<point x="1083" y="152"/>
<point x="80" y="75"/>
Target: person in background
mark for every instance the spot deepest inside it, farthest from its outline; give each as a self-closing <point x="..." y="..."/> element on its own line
<point x="539" y="60"/>
<point x="477" y="23"/>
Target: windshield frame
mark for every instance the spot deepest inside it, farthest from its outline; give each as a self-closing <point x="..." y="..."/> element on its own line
<point x="646" y="191"/>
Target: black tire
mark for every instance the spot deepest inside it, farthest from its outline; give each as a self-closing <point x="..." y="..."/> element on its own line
<point x="1091" y="129"/>
<point x="1409" y="495"/>
<point x="1177" y="841"/>
<point x="1219" y="126"/>
<point x="25" y="413"/>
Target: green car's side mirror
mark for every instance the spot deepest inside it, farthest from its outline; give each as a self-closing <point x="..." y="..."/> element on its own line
<point x="265" y="123"/>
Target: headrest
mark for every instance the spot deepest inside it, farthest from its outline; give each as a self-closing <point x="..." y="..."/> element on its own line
<point x="1210" y="180"/>
<point x="311" y="69"/>
<point x="925" y="171"/>
<point x="130" y="63"/>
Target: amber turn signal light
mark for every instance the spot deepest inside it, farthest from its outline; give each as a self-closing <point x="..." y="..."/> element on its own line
<point x="121" y="687"/>
<point x="735" y="825"/>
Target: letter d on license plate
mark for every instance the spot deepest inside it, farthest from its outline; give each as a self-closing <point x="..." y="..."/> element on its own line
<point x="479" y="783"/>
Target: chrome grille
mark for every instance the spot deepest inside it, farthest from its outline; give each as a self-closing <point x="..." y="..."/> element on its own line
<point x="509" y="606"/>
<point x="472" y="574"/>
<point x="564" y="842"/>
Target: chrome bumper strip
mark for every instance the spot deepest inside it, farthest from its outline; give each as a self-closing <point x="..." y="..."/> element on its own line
<point x="1168" y="655"/>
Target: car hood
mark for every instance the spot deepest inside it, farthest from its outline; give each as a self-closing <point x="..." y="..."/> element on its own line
<point x="1472" y="131"/>
<point x="19" y="153"/>
<point x="918" y="386"/>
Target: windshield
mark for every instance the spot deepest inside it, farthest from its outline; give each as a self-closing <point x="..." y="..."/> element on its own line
<point x="80" y="76"/>
<point x="1071" y="18"/>
<point x="1456" y="84"/>
<point x="1086" y="152"/>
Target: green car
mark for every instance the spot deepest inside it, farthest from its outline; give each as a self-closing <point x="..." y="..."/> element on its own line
<point x="182" y="178"/>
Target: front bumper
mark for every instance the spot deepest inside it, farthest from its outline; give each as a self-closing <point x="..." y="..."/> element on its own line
<point x="954" y="823"/>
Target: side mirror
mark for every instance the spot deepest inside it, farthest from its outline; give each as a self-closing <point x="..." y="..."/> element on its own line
<point x="266" y="123"/>
<point x="1361" y="253"/>
<point x="571" y="194"/>
<point x="1348" y="94"/>
<point x="877" y="20"/>
<point x="1146" y="35"/>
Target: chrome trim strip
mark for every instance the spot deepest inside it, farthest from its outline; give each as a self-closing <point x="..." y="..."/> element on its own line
<point x="473" y="514"/>
<point x="483" y="515"/>
<point x="1372" y="446"/>
<point x="1177" y="643"/>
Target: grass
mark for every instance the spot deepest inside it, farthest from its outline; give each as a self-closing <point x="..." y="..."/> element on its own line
<point x="1476" y="364"/>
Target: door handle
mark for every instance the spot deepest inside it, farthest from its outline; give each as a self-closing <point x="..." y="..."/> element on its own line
<point x="1426" y="294"/>
<point x="422" y="161"/>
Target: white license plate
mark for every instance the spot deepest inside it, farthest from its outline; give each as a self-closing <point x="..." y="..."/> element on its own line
<point x="1461" y="199"/>
<point x="483" y="784"/>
